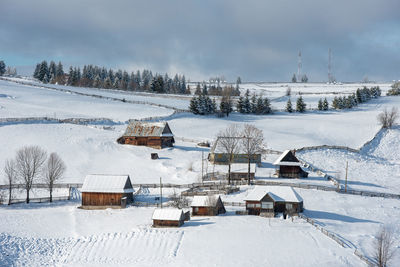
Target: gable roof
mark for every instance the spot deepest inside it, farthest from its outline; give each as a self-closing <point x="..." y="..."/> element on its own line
<point x="243" y="167"/>
<point x="168" y="214"/>
<point x="217" y="148"/>
<point x="277" y="193"/>
<point x="204" y="201"/>
<point x="146" y="129"/>
<point x="287" y="158"/>
<point x="102" y="183"/>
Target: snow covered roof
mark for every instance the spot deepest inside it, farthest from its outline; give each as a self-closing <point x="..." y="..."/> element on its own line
<point x="277" y="193"/>
<point x="243" y="167"/>
<point x="144" y="129"/>
<point x="204" y="201"/>
<point x="287" y="158"/>
<point x="168" y="214"/>
<point x="102" y="183"/>
<point x="217" y="148"/>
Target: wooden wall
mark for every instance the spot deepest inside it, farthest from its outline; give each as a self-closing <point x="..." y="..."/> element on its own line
<point x="155" y="142"/>
<point x="165" y="223"/>
<point x="103" y="199"/>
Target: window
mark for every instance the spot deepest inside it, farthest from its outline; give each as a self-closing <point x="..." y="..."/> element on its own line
<point x="258" y="205"/>
<point x="196" y="209"/>
<point x="267" y="205"/>
<point x="289" y="206"/>
<point x="250" y="205"/>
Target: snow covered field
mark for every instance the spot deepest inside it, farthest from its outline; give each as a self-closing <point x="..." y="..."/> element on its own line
<point x="62" y="235"/>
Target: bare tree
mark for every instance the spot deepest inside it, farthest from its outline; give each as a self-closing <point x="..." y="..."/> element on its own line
<point x="252" y="144"/>
<point x="178" y="201"/>
<point x="29" y="162"/>
<point x="11" y="176"/>
<point x="229" y="143"/>
<point x="388" y="118"/>
<point x="384" y="246"/>
<point x="54" y="171"/>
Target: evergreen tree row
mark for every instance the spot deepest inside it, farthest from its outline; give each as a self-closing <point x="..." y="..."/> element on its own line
<point x="203" y="105"/>
<point x="300" y="105"/>
<point x="2" y="67"/>
<point x="254" y="105"/>
<point x="100" y="77"/>
<point x="360" y="96"/>
<point x="323" y="104"/>
<point x="202" y="89"/>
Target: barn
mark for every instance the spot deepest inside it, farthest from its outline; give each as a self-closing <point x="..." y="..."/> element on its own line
<point x="288" y="166"/>
<point x="239" y="171"/>
<point x="269" y="200"/>
<point x="207" y="206"/>
<point x="151" y="134"/>
<point x="104" y="191"/>
<point x="217" y="154"/>
<point x="168" y="217"/>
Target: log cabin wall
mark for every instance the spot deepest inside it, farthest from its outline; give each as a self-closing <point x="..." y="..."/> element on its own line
<point x="167" y="223"/>
<point x="101" y="199"/>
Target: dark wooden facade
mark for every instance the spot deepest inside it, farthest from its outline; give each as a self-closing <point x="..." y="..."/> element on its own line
<point x="104" y="199"/>
<point x="150" y="141"/>
<point x="291" y="172"/>
<point x="209" y="210"/>
<point x="268" y="207"/>
<point x="167" y="223"/>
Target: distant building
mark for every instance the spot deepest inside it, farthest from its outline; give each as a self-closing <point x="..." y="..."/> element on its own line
<point x="217" y="154"/>
<point x="168" y="217"/>
<point x="207" y="206"/>
<point x="289" y="166"/>
<point x="100" y="190"/>
<point x="269" y="200"/>
<point x="151" y="134"/>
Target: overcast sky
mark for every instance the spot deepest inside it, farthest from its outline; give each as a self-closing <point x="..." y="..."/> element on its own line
<point x="256" y="40"/>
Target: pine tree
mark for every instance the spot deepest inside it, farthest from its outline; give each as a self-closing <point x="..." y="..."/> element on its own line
<point x="97" y="82"/>
<point x="43" y="70"/>
<point x="198" y="90"/>
<point x="2" y="67"/>
<point x="289" y="107"/>
<point x="193" y="105"/>
<point x="205" y="91"/>
<point x="246" y="102"/>
<point x="35" y="73"/>
<point x="320" y="104"/>
<point x="294" y="79"/>
<point x="325" y="105"/>
<point x="253" y="104"/>
<point x="107" y="83"/>
<point x="267" y="106"/>
<point x="239" y="105"/>
<point x="300" y="105"/>
<point x="225" y="105"/>
<point x="304" y="79"/>
<point x="259" y="106"/>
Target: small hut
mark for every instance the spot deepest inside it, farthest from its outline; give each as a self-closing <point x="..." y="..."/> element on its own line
<point x="289" y="166"/>
<point x="168" y="217"/>
<point x="269" y="200"/>
<point x="151" y="134"/>
<point x="207" y="206"/>
<point x="100" y="190"/>
<point x="218" y="155"/>
<point x="239" y="171"/>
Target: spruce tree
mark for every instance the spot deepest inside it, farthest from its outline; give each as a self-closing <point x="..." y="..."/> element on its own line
<point x="225" y="106"/>
<point x="294" y="79"/>
<point x="253" y="104"/>
<point x="35" y="73"/>
<point x="193" y="105"/>
<point x="246" y="102"/>
<point x="325" y="105"/>
<point x="2" y="67"/>
<point x="259" y="106"/>
<point x="239" y="105"/>
<point x="289" y="107"/>
<point x="267" y="106"/>
<point x="198" y="90"/>
<point x="205" y="91"/>
<point x="300" y="105"/>
<point x="320" y="104"/>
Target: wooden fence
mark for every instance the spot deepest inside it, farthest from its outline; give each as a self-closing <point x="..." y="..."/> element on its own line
<point x="39" y="199"/>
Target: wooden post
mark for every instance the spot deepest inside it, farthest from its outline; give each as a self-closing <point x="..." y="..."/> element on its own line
<point x="345" y="185"/>
<point x="160" y="193"/>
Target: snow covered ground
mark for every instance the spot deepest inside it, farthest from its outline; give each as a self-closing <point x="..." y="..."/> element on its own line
<point x="60" y="234"/>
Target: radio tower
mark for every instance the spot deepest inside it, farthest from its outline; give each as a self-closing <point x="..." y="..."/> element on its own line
<point x="330" y="78"/>
<point x="299" y="68"/>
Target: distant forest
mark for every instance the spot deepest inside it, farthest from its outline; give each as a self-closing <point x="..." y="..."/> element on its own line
<point x="100" y="77"/>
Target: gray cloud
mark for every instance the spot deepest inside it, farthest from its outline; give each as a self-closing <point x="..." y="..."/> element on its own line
<point x="257" y="40"/>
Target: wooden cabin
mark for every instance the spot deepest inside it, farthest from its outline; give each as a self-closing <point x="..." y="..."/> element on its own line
<point x="168" y="217"/>
<point x="104" y="191"/>
<point x="269" y="200"/>
<point x="151" y="134"/>
<point x="207" y="206"/>
<point x="289" y="166"/>
<point x="239" y="171"/>
<point x="217" y="154"/>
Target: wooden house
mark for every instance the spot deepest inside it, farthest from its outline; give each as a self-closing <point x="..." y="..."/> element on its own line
<point x="288" y="166"/>
<point x="168" y="217"/>
<point x="106" y="191"/>
<point x="217" y="154"/>
<point x="239" y="171"/>
<point x="207" y="206"/>
<point x="269" y="200"/>
<point x="151" y="134"/>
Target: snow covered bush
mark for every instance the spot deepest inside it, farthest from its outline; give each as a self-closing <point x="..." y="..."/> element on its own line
<point x="388" y="118"/>
<point x="395" y="89"/>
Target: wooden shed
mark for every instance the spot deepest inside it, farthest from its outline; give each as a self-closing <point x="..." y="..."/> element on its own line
<point x="217" y="154"/>
<point x="239" y="171"/>
<point x="168" y="217"/>
<point x="269" y="200"/>
<point x="207" y="206"/>
<point x="151" y="134"/>
<point x="101" y="191"/>
<point x="289" y="166"/>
